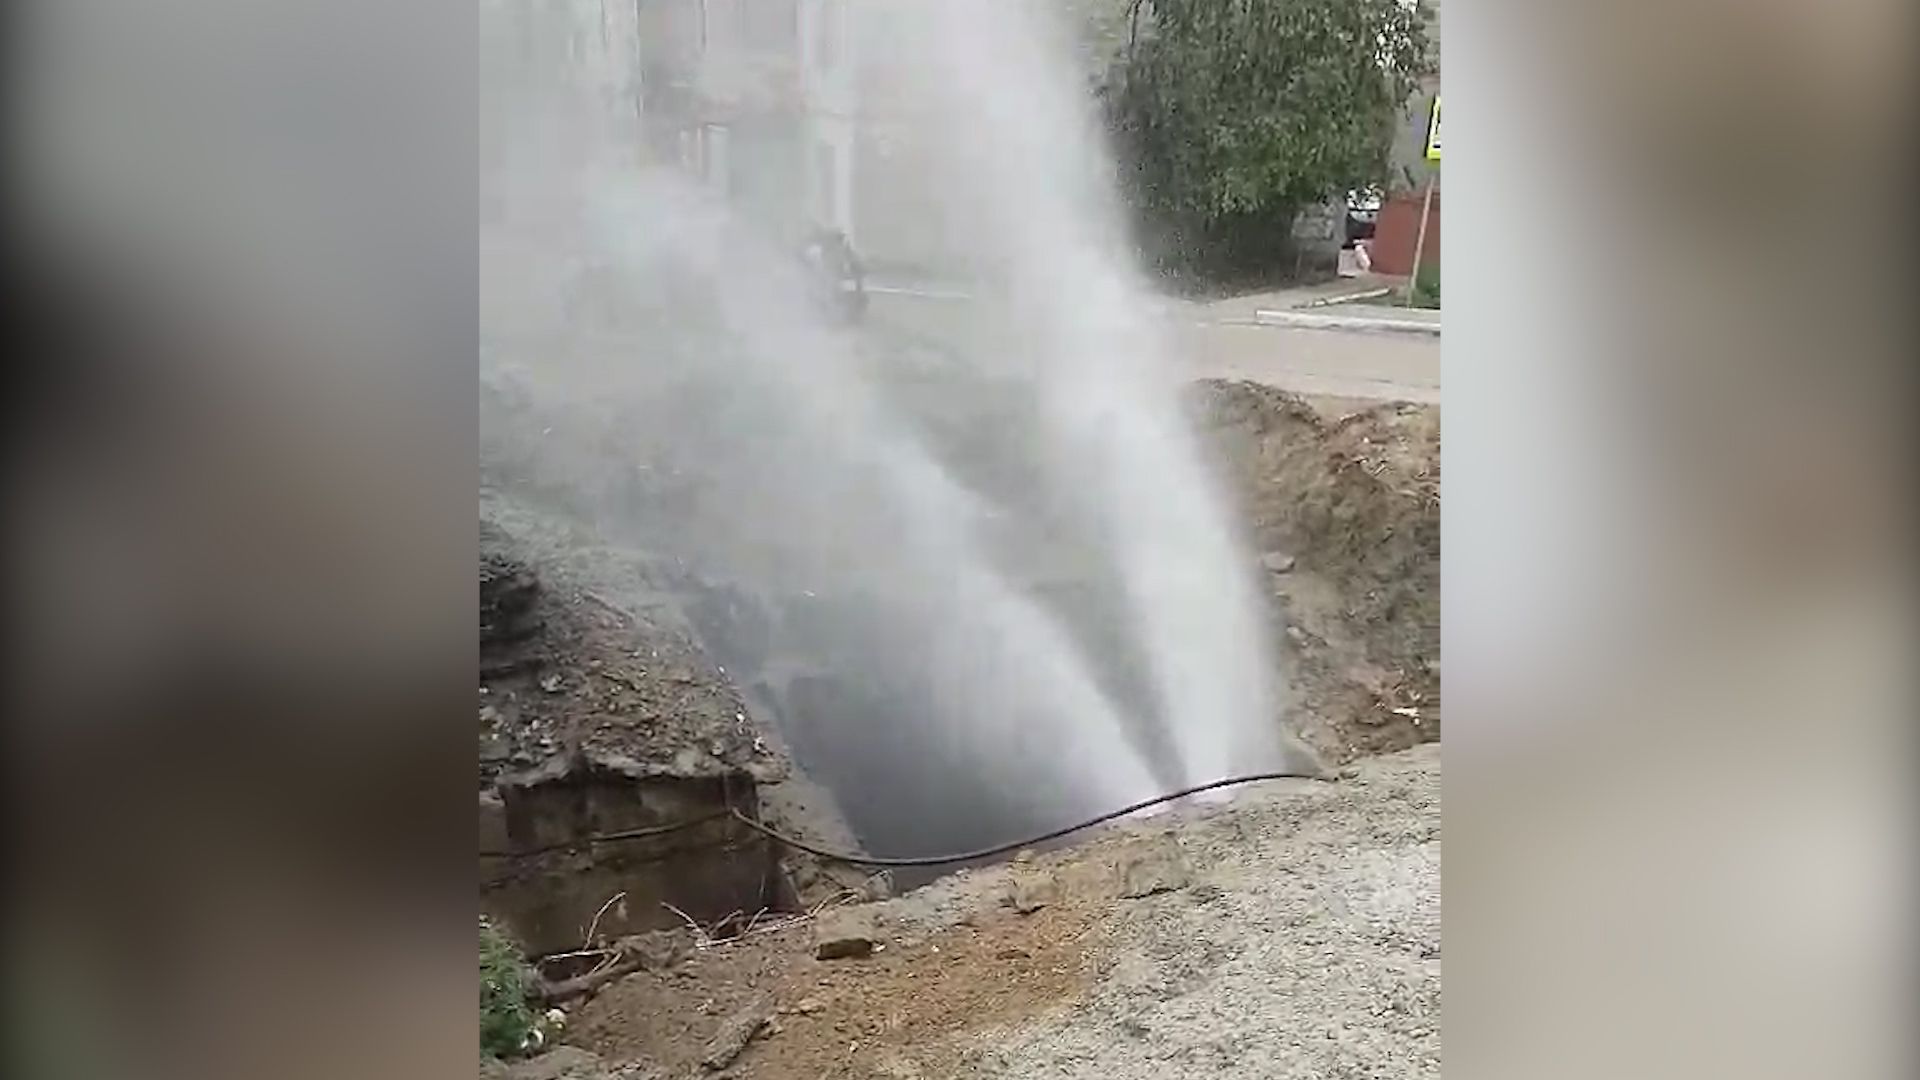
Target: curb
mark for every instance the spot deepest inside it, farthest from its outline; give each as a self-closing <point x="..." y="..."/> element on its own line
<point x="1311" y="321"/>
<point x="933" y="293"/>
<point x="1348" y="298"/>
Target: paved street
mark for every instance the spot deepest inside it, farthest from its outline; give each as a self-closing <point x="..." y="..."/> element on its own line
<point x="1221" y="340"/>
<point x="1329" y="363"/>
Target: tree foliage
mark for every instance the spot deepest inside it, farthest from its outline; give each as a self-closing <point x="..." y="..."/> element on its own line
<point x="506" y="1010"/>
<point x="1232" y="115"/>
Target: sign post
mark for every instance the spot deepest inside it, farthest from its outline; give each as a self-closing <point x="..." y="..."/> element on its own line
<point x="1426" y="200"/>
<point x="1433" y="131"/>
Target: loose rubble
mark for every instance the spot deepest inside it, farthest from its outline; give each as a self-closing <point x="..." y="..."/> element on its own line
<point x="1294" y="932"/>
<point x="736" y="1033"/>
<point x="845" y="934"/>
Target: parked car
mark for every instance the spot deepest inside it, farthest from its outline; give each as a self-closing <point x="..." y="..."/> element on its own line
<point x="1363" y="214"/>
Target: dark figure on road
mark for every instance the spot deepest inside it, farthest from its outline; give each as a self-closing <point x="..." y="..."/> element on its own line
<point x="842" y="280"/>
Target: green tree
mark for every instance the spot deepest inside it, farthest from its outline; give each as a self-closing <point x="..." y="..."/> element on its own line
<point x="1230" y="116"/>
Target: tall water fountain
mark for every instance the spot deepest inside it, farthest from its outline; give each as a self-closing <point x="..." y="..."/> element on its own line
<point x="993" y="593"/>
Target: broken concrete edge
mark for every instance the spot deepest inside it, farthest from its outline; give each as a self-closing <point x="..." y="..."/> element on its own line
<point x="591" y="761"/>
<point x="1314" y="321"/>
<point x="512" y="794"/>
<point x="811" y="879"/>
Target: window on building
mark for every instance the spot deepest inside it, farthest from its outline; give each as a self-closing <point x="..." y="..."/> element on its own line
<point x="718" y="168"/>
<point x="770" y="25"/>
<point x="826" y="179"/>
<point x="826" y="35"/>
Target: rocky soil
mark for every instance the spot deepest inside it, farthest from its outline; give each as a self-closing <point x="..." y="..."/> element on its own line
<point x="1345" y="515"/>
<point x="1294" y="932"/>
<point x="588" y="665"/>
<point x="566" y="670"/>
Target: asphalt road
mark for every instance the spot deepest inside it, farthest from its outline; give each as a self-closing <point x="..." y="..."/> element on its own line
<point x="1362" y="365"/>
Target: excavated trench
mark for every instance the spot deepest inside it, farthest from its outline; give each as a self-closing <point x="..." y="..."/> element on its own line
<point x="687" y="696"/>
<point x="819" y="683"/>
<point x="824" y="682"/>
<point x="584" y="779"/>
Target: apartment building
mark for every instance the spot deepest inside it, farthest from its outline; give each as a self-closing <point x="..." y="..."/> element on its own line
<point x="755" y="97"/>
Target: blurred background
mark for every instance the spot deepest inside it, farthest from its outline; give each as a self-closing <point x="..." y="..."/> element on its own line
<point x="242" y="541"/>
<point x="1676" y="541"/>
<point x="1676" y="535"/>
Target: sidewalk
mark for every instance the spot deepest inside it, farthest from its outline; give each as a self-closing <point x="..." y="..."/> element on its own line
<point x="1242" y="308"/>
<point x="1333" y="305"/>
<point x="1376" y="318"/>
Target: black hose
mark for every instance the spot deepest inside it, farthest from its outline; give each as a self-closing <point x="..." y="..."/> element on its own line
<point x="1002" y="849"/>
<point x="928" y="860"/>
<point x="607" y="838"/>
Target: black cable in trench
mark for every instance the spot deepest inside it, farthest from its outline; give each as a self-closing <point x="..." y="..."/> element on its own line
<point x="607" y="838"/>
<point x="929" y="860"/>
<point x="1003" y="849"/>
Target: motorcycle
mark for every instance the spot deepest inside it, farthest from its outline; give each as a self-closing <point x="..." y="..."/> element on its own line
<point x="837" y="273"/>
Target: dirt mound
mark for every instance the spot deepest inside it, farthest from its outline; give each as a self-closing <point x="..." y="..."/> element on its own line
<point x="597" y="722"/>
<point x="1346" y="513"/>
<point x="832" y="1017"/>
<point x="602" y="714"/>
<point x="566" y="671"/>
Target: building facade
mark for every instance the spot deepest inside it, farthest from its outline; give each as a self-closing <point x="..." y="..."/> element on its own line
<point x="755" y="97"/>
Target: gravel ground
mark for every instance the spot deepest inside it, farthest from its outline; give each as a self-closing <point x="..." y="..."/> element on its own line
<point x="1293" y="932"/>
<point x="1310" y="949"/>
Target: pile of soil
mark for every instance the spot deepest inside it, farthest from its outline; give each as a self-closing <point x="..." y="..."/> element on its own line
<point x="596" y="689"/>
<point x="566" y="672"/>
<point x="1345" y="511"/>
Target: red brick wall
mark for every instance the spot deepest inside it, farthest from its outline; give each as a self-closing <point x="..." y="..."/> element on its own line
<point x="1394" y="234"/>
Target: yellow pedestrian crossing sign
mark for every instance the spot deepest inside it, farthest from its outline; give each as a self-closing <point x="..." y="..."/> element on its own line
<point x="1433" y="131"/>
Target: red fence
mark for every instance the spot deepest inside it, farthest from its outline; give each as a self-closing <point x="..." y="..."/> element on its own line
<point x="1395" y="233"/>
